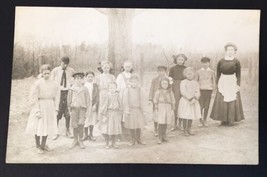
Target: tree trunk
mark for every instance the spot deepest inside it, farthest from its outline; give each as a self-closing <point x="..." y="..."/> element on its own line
<point x="120" y="37"/>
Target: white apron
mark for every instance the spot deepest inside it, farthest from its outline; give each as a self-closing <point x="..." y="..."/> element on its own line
<point x="227" y="86"/>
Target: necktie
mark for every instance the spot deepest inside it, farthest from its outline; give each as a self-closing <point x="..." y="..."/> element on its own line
<point x="63" y="79"/>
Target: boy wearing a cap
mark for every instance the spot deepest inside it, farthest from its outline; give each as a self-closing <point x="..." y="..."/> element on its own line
<point x="206" y="78"/>
<point x="78" y="103"/>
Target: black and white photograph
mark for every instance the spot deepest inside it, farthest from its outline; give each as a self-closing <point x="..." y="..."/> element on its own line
<point x="134" y="85"/>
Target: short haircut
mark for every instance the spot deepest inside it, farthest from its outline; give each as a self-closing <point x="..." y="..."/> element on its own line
<point x="177" y="56"/>
<point x="230" y="45"/>
<point x="205" y="59"/>
<point x="65" y="60"/>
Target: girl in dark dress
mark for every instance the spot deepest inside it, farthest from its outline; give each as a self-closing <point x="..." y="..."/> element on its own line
<point x="227" y="106"/>
<point x="176" y="73"/>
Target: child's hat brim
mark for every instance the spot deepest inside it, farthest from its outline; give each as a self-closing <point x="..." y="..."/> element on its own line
<point x="81" y="74"/>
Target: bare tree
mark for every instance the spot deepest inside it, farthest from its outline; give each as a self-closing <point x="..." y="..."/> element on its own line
<point x="120" y="34"/>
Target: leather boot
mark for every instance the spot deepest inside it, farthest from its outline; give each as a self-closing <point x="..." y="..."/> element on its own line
<point x="86" y="136"/>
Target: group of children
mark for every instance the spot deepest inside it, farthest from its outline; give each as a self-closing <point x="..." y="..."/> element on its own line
<point x="185" y="96"/>
<point x="117" y="106"/>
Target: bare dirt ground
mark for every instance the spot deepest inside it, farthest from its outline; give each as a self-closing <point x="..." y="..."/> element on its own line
<point x="211" y="145"/>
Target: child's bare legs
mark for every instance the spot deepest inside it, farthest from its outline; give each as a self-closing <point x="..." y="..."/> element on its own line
<point x="155" y="128"/>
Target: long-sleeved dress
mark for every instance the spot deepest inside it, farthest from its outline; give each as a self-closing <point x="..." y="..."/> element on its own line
<point x="44" y="98"/>
<point x="133" y="108"/>
<point x="227" y="106"/>
<point x="111" y="113"/>
<point x="189" y="107"/>
<point x="102" y="81"/>
<point x="165" y="103"/>
<point x="176" y="73"/>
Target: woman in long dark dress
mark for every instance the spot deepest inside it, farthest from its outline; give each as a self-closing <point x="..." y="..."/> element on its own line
<point x="176" y="73"/>
<point x="227" y="106"/>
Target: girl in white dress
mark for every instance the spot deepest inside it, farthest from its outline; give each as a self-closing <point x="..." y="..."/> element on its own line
<point x="189" y="107"/>
<point x="44" y="101"/>
<point x="123" y="83"/>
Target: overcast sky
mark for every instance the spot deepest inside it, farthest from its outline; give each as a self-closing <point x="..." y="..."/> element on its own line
<point x="201" y="30"/>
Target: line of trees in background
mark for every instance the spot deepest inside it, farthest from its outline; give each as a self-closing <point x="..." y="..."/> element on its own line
<point x="146" y="58"/>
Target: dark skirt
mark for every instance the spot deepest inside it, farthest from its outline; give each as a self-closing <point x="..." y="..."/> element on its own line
<point x="227" y="111"/>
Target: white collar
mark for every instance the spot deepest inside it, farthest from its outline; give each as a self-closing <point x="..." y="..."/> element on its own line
<point x="229" y="58"/>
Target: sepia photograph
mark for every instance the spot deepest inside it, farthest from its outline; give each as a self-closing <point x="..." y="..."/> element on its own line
<point x="134" y="85"/>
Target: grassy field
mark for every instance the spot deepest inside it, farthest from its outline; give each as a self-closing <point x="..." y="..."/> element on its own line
<point x="211" y="145"/>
